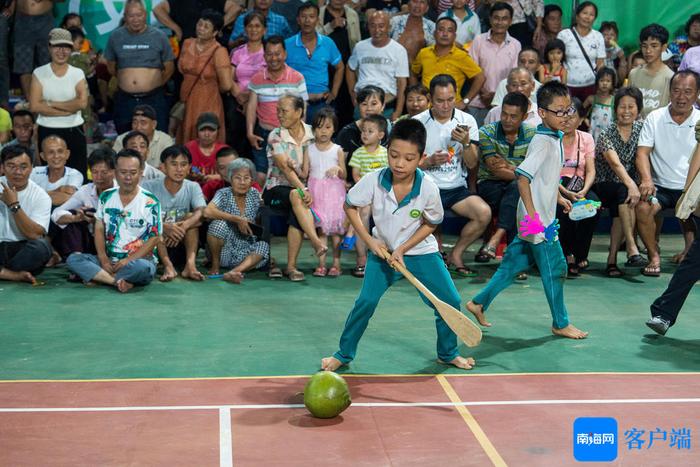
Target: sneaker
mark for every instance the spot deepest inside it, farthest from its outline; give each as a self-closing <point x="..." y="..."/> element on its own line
<point x="659" y="325"/>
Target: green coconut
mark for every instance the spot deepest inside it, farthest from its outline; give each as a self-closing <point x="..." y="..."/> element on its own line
<point x="326" y="395"/>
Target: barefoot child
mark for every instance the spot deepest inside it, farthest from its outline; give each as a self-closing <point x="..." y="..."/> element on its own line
<point x="407" y="208"/>
<point x="538" y="184"/>
<point x="325" y="164"/>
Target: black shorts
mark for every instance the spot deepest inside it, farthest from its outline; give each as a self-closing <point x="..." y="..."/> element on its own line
<point x="453" y="196"/>
<point x="611" y="194"/>
<point x="668" y="198"/>
<point x="277" y="198"/>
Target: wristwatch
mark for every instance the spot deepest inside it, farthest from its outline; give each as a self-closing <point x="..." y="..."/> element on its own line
<point x="15" y="207"/>
<point x="466" y="101"/>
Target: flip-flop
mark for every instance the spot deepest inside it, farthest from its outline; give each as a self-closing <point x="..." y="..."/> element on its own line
<point x="334" y="272"/>
<point x="485" y="254"/>
<point x="636" y="261"/>
<point x="274" y="273"/>
<point x="463" y="271"/>
<point x="611" y="270"/>
<point x="320" y="272"/>
<point x="651" y="271"/>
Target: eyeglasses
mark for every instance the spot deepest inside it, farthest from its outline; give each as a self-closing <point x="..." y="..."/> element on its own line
<point x="561" y="113"/>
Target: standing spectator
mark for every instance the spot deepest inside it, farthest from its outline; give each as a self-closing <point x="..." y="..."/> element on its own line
<point x="204" y="148"/>
<point x="379" y="61"/>
<point x="444" y="57"/>
<point x="599" y="106"/>
<point x="276" y="24"/>
<point x="585" y="51"/>
<point x="666" y="141"/>
<point x="654" y="77"/>
<point x="680" y="45"/>
<point x="145" y="120"/>
<point x="691" y="61"/>
<point x="127" y="231"/>
<point x="496" y="52"/>
<point x="25" y="211"/>
<point x="551" y="25"/>
<point x="519" y="80"/>
<point x="614" y="55"/>
<point x="289" y="9"/>
<point x="141" y="58"/>
<point x="266" y="87"/>
<point x="180" y="16"/>
<point x="342" y="24"/>
<point x="7" y="9"/>
<point x="59" y="93"/>
<point x="413" y="30"/>
<point x="468" y="24"/>
<point x="33" y="23"/>
<point x="312" y="54"/>
<point x="520" y="29"/>
<point x="206" y="69"/>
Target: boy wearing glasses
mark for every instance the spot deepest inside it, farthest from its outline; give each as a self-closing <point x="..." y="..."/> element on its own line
<point x="538" y="184"/>
<point x="181" y="204"/>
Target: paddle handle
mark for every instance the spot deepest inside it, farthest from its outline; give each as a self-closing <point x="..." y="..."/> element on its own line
<point x="412" y="279"/>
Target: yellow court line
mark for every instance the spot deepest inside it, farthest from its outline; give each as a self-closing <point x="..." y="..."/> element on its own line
<point x="352" y="375"/>
<point x="473" y="425"/>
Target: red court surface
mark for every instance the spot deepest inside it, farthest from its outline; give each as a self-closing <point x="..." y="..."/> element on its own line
<point x="450" y="420"/>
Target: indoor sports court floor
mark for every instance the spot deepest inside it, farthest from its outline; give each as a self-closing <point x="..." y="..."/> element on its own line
<point x="207" y="374"/>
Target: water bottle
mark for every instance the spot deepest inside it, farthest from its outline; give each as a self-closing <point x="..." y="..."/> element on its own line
<point x="653" y="199"/>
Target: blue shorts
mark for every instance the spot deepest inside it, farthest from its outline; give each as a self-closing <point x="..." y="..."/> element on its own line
<point x="668" y="198"/>
<point x="453" y="196"/>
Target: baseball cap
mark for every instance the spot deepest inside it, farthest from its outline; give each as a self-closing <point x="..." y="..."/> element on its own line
<point x="145" y="110"/>
<point x="59" y="36"/>
<point x="207" y="120"/>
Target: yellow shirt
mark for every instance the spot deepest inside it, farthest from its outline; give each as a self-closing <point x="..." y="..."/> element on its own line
<point x="457" y="63"/>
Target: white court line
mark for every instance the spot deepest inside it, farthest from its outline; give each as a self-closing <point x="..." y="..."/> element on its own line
<point x="225" y="441"/>
<point x="220" y="408"/>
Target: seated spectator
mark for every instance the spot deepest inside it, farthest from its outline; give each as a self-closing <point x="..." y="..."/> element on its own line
<point x="138" y="142"/>
<point x="25" y="210"/>
<point x="654" y="77"/>
<point x="233" y="236"/>
<point x="468" y="24"/>
<point x="519" y="80"/>
<point x="413" y="30"/>
<point x="204" y="149"/>
<point x="58" y="180"/>
<point x="529" y="59"/>
<point x="76" y="217"/>
<point x="223" y="158"/>
<point x="666" y="140"/>
<point x="266" y="87"/>
<point x="417" y="100"/>
<point x="452" y="149"/>
<point x="284" y="188"/>
<point x="444" y="57"/>
<point x="23" y="130"/>
<point x="616" y="176"/>
<point x="312" y="55"/>
<point x="551" y="25"/>
<point x="125" y="239"/>
<point x="145" y="120"/>
<point x="379" y="61"/>
<point x="681" y="44"/>
<point x="181" y="205"/>
<point x="277" y="25"/>
<point x="577" y="178"/>
<point x="503" y="145"/>
<point x="614" y="55"/>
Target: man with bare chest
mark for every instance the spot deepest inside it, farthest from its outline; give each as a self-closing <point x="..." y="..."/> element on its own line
<point x="33" y="21"/>
<point x="412" y="30"/>
<point x="142" y="60"/>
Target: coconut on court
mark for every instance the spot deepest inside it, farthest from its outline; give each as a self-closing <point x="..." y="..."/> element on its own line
<point x="326" y="395"/>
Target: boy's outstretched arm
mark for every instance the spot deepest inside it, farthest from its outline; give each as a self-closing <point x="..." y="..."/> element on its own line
<point x="526" y="195"/>
<point x="360" y="230"/>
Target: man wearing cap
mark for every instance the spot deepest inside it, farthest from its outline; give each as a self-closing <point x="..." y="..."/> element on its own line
<point x="204" y="148"/>
<point x="142" y="60"/>
<point x="145" y="120"/>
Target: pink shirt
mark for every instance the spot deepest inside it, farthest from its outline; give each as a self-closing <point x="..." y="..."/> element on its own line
<point x="495" y="60"/>
<point x="584" y="143"/>
<point x="247" y="64"/>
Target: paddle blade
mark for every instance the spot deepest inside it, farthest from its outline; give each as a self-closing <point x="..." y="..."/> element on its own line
<point x="466" y="330"/>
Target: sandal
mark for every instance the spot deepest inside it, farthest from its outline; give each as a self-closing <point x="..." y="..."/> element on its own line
<point x="295" y="275"/>
<point x="583" y="265"/>
<point x="636" y="261"/>
<point x="651" y="271"/>
<point x="359" y="271"/>
<point x="572" y="270"/>
<point x="521" y="276"/>
<point x="463" y="271"/>
<point x="485" y="254"/>
<point x="275" y="273"/>
<point x="334" y="272"/>
<point x="320" y="271"/>
<point x="611" y="270"/>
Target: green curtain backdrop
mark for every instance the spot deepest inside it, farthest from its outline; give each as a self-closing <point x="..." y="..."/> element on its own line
<point x="632" y="15"/>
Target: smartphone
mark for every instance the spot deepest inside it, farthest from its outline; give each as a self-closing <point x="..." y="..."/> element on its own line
<point x="463" y="127"/>
<point x="89" y="211"/>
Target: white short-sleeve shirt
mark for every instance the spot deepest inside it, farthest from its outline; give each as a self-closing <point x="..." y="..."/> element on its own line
<point x="542" y="166"/>
<point x="451" y="174"/>
<point x="35" y="203"/>
<point x="59" y="89"/>
<point x="379" y="66"/>
<point x="396" y="222"/>
<point x="71" y="177"/>
<point x="671" y="145"/>
<point x="579" y="73"/>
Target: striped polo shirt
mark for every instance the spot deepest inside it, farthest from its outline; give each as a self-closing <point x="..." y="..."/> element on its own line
<point x="269" y="91"/>
<point x="493" y="142"/>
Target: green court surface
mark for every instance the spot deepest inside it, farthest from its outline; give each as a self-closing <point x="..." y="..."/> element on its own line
<point x="182" y="329"/>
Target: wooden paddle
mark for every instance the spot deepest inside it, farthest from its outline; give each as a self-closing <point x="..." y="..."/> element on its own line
<point x="466" y="330"/>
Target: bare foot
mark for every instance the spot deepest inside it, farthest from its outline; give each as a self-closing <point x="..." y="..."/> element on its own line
<point x="571" y="331"/>
<point x="17" y="276"/>
<point x="169" y="274"/>
<point x="192" y="273"/>
<point x="233" y="277"/>
<point x="330" y="364"/>
<point x="478" y="312"/>
<point x="678" y="258"/>
<point x="460" y="362"/>
<point x="123" y="286"/>
<point x="54" y="260"/>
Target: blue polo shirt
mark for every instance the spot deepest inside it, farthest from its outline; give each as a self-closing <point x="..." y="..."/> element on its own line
<point x="314" y="67"/>
<point x="276" y="26"/>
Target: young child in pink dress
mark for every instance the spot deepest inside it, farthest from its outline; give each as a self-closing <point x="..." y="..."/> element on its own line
<point x="326" y="169"/>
